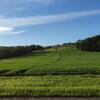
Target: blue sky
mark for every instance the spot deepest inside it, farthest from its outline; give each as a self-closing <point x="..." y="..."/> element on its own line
<point x="47" y="22"/>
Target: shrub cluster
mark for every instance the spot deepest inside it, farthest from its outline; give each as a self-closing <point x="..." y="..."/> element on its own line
<point x="89" y="44"/>
<point x="6" y="52"/>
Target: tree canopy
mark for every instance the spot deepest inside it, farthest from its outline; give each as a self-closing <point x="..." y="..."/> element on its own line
<point x="89" y="44"/>
<point x="6" y="52"/>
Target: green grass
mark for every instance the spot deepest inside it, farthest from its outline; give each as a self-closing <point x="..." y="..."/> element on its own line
<point x="65" y="61"/>
<point x="66" y="72"/>
<point x="50" y="86"/>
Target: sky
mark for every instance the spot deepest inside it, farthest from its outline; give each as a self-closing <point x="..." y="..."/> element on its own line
<point x="47" y="22"/>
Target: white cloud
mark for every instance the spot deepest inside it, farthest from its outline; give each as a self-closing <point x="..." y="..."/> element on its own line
<point x="8" y="31"/>
<point x="37" y="20"/>
<point x="8" y="25"/>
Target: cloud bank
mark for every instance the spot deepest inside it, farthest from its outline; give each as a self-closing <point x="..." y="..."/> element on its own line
<point x="8" y="24"/>
<point x="37" y="20"/>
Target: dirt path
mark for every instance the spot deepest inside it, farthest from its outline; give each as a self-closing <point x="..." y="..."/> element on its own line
<point x="50" y="98"/>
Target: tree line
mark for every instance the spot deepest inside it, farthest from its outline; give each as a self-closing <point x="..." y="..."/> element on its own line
<point x="6" y="52"/>
<point x="89" y="44"/>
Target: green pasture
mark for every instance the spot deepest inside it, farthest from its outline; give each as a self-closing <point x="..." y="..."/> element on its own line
<point x="50" y="86"/>
<point x="64" y="61"/>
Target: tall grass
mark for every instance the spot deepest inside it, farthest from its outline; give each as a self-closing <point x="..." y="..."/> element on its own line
<point x="50" y="86"/>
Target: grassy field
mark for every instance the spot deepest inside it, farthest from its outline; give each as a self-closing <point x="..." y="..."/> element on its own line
<point x="65" y="72"/>
<point x="50" y="86"/>
<point x="65" y="61"/>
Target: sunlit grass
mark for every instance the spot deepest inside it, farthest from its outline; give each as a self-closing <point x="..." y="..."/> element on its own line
<point x="50" y="86"/>
<point x="65" y="61"/>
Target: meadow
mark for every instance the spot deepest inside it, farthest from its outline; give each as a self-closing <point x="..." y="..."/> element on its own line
<point x="39" y="86"/>
<point x="63" y="72"/>
<point x="64" y="61"/>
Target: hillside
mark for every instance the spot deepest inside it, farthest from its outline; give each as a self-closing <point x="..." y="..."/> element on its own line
<point x="64" y="61"/>
<point x="61" y="72"/>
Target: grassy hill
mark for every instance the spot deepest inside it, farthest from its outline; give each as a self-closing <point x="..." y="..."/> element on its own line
<point x="65" y="72"/>
<point x="64" y="61"/>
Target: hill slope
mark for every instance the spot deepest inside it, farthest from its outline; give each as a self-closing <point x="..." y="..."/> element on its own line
<point x="64" y="61"/>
